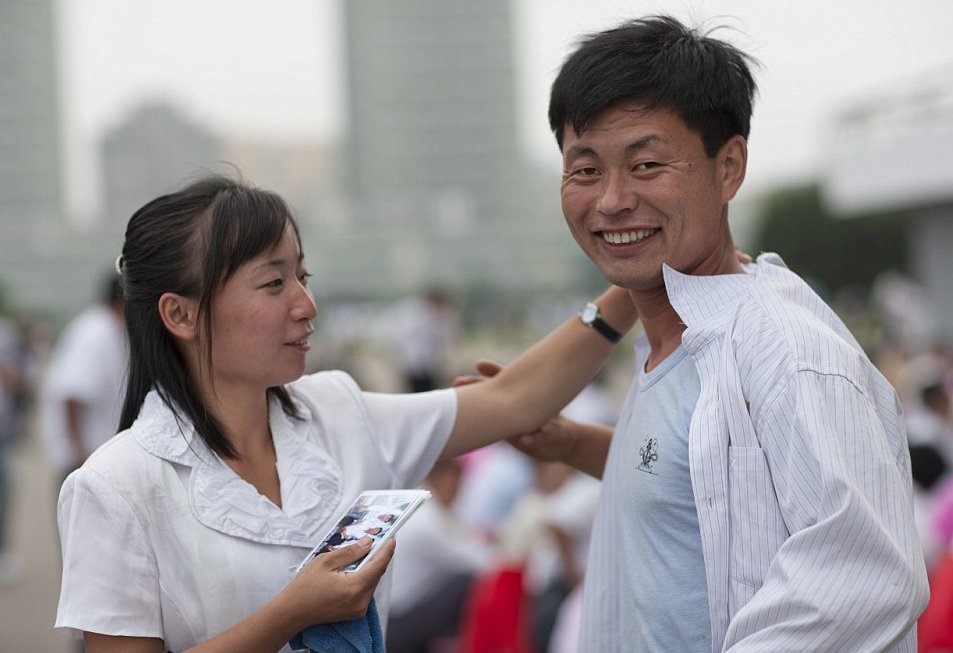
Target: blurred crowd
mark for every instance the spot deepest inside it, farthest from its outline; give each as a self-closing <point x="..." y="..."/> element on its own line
<point x="494" y="561"/>
<point x="20" y="356"/>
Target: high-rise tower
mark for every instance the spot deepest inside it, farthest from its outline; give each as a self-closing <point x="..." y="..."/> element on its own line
<point x="436" y="174"/>
<point x="30" y="174"/>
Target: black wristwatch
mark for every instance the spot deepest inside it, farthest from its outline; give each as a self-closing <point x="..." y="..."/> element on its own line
<point x="591" y="317"/>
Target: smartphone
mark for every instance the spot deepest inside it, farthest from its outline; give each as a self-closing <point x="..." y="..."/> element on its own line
<point x="377" y="513"/>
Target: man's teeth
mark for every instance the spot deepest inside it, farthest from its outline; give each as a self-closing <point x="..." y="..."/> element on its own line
<point x="626" y="237"/>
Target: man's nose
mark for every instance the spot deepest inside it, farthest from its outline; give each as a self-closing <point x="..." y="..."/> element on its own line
<point x="617" y="194"/>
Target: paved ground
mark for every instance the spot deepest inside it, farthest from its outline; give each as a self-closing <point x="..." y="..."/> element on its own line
<point x="28" y="607"/>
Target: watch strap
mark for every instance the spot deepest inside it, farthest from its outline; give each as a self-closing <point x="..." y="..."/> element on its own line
<point x="602" y="326"/>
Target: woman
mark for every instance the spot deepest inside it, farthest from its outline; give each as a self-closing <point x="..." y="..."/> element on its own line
<point x="180" y="533"/>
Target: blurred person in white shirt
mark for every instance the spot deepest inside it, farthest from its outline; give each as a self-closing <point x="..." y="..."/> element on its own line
<point x="84" y="382"/>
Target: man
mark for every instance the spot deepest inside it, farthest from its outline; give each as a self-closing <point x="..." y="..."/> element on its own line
<point x="756" y="494"/>
<point x="84" y="385"/>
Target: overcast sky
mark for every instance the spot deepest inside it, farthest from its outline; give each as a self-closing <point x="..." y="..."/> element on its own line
<point x="271" y="68"/>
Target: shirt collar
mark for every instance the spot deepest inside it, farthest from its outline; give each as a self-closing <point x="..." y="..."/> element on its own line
<point x="311" y="482"/>
<point x="706" y="303"/>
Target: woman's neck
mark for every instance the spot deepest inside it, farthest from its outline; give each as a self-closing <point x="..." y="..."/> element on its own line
<point x="243" y="418"/>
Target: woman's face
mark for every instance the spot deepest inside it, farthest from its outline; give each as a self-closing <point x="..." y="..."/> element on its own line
<point x="262" y="320"/>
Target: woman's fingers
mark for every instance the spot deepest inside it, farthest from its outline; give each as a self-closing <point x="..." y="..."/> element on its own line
<point x="376" y="566"/>
<point x="488" y="367"/>
<point x="345" y="555"/>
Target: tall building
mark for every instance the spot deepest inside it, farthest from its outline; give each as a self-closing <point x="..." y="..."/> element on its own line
<point x="30" y="174"/>
<point x="29" y="121"/>
<point x="439" y="185"/>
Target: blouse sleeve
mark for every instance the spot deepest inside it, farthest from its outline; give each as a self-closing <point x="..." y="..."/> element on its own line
<point x="411" y="430"/>
<point x="110" y="581"/>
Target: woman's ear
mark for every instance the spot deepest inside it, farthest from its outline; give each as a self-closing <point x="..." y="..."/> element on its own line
<point x="733" y="160"/>
<point x="179" y="315"/>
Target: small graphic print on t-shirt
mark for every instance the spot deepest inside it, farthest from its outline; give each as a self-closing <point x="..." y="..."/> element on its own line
<point x="649" y="454"/>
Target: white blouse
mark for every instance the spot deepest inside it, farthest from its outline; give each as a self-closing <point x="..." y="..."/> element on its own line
<point x="162" y="539"/>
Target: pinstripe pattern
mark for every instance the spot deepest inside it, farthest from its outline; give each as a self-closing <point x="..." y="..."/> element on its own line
<point x="800" y="473"/>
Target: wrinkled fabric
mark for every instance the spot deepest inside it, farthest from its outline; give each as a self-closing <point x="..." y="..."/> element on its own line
<point x="162" y="539"/>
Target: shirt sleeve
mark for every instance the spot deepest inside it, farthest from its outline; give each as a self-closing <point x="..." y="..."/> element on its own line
<point x="850" y="576"/>
<point x="411" y="430"/>
<point x="110" y="581"/>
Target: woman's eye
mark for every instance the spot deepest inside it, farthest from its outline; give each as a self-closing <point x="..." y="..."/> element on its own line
<point x="277" y="283"/>
<point x="303" y="277"/>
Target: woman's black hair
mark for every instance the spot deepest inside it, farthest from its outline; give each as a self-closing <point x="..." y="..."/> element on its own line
<point x="662" y="63"/>
<point x="190" y="242"/>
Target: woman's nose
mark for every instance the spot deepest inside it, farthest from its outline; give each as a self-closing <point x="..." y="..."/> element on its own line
<point x="305" y="306"/>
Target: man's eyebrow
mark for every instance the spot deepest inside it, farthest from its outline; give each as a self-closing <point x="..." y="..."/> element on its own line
<point x="642" y="143"/>
<point x="578" y="150"/>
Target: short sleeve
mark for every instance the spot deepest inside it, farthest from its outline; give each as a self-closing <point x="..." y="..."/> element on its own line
<point x="110" y="580"/>
<point x="411" y="430"/>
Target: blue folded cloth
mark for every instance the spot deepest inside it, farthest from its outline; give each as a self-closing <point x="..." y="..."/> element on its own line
<point x="356" y="636"/>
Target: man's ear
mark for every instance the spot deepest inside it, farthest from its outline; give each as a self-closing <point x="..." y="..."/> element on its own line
<point x="179" y="315"/>
<point x="732" y="165"/>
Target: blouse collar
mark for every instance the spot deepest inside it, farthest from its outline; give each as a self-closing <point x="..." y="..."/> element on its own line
<point x="311" y="482"/>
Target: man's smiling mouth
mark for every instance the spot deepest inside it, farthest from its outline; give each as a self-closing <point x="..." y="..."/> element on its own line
<point x="627" y="237"/>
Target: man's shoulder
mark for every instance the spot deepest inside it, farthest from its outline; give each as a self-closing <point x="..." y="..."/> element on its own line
<point x="783" y="318"/>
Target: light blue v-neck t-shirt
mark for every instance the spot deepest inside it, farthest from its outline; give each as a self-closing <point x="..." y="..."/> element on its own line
<point x="663" y="594"/>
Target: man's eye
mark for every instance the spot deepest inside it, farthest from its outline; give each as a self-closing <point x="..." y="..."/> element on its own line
<point x="587" y="171"/>
<point x="646" y="165"/>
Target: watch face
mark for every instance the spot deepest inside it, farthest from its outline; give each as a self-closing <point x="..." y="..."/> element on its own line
<point x="589" y="313"/>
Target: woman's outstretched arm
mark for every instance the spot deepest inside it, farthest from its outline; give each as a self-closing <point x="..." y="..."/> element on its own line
<point x="539" y="382"/>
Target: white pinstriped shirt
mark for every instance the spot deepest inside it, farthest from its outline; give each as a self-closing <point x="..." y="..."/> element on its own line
<point x="801" y="478"/>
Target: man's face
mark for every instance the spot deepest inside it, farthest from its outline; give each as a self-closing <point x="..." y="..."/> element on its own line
<point x="638" y="190"/>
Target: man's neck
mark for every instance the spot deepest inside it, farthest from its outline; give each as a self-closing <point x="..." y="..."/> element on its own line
<point x="662" y="324"/>
<point x="663" y="327"/>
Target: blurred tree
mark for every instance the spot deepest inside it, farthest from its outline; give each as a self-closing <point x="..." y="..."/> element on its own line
<point x="830" y="252"/>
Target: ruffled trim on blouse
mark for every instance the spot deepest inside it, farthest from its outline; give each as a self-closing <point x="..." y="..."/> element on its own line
<point x="311" y="484"/>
